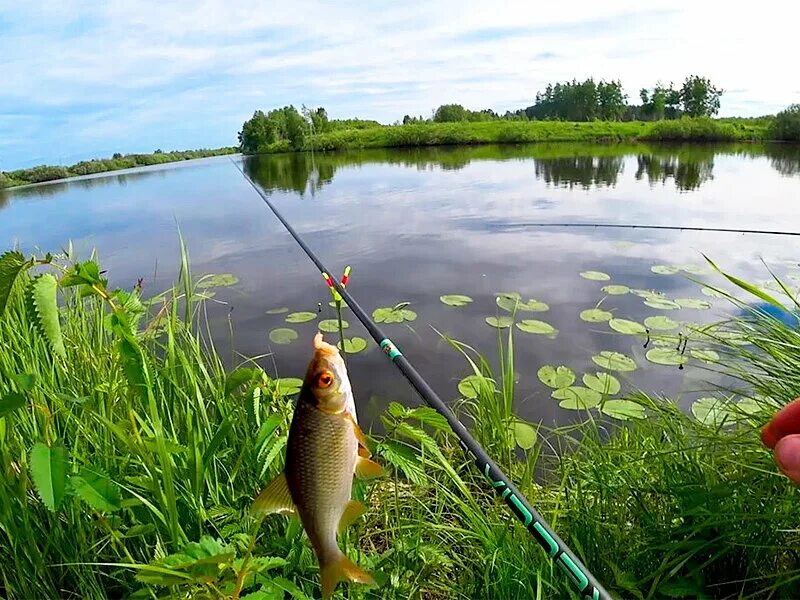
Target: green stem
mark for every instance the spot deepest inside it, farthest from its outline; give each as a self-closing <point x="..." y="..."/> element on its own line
<point x="338" y="302"/>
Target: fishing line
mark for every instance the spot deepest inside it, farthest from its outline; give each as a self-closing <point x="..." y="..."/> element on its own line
<point x="553" y="545"/>
<point x="661" y="227"/>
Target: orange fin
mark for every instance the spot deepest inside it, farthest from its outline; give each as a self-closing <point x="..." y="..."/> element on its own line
<point x="352" y="511"/>
<point x="368" y="469"/>
<point x="343" y="569"/>
<point x="362" y="440"/>
<point x="275" y="498"/>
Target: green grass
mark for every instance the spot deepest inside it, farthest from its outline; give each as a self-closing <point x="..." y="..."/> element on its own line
<point x="165" y="451"/>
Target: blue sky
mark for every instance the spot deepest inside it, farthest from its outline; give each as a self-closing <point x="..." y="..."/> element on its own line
<point x="84" y="78"/>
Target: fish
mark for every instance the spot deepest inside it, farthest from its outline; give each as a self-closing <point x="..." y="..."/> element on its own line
<point x="325" y="449"/>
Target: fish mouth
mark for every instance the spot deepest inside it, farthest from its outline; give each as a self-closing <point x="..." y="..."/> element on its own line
<point x="323" y="347"/>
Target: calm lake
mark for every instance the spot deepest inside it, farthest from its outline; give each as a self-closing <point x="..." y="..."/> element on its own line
<point x="417" y="224"/>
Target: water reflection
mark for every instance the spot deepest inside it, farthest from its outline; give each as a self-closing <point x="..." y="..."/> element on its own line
<point x="689" y="170"/>
<point x="580" y="171"/>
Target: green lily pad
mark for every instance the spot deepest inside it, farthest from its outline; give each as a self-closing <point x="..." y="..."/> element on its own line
<point x="750" y="406"/>
<point x="287" y="386"/>
<point x="595" y="275"/>
<point x="614" y="361"/>
<point x="577" y="397"/>
<point x="661" y="303"/>
<point x="713" y="412"/>
<point x="665" y="341"/>
<point x="627" y="327"/>
<point x="332" y="304"/>
<point x="692" y="303"/>
<point x="615" y="290"/>
<point x="512" y="302"/>
<point x="283" y="335"/>
<point x="353" y="345"/>
<point x="694" y="269"/>
<point x="394" y="314"/>
<point x="556" y="377"/>
<point x="664" y="269"/>
<point x="712" y="293"/>
<point x="278" y="311"/>
<point x="500" y="322"/>
<point x="666" y="356"/>
<point x="301" y="317"/>
<point x="709" y="356"/>
<point x="524" y="435"/>
<point x="595" y="315"/>
<point x="538" y="327"/>
<point x="332" y="325"/>
<point x="455" y="299"/>
<point x="660" y="323"/>
<point x="623" y="409"/>
<point x="647" y="294"/>
<point x="221" y="280"/>
<point x="604" y="383"/>
<point x="470" y="386"/>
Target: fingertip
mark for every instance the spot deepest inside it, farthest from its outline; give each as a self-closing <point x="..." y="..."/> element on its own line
<point x="785" y="422"/>
<point x="787" y="456"/>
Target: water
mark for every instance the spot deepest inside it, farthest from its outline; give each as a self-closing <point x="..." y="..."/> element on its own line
<point x="416" y="224"/>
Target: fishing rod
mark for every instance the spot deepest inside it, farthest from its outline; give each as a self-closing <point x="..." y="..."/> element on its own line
<point x="554" y="546"/>
<point x="661" y="227"/>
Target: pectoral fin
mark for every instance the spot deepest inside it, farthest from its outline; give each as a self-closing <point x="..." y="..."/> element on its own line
<point x="274" y="498"/>
<point x="362" y="440"/>
<point x="352" y="511"/>
<point x="368" y="469"/>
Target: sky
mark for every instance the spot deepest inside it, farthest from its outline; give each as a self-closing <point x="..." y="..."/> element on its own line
<point x="82" y="78"/>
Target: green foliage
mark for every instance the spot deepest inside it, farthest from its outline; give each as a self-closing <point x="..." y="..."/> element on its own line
<point x="48" y="467"/>
<point x="699" y="97"/>
<point x="12" y="264"/>
<point x="42" y="295"/>
<point x="786" y="126"/>
<point x="700" y="129"/>
<point x="282" y="127"/>
<point x="96" y="489"/>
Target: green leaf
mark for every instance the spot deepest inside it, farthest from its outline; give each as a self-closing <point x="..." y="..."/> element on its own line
<point x="665" y="269"/>
<point x="289" y="587"/>
<point x="11" y="265"/>
<point x="198" y="561"/>
<point x="694" y="269"/>
<point x="455" y="299"/>
<point x="623" y="409"/>
<point x="97" y="490"/>
<point x="265" y="592"/>
<point x="288" y="386"/>
<point x="627" y="327"/>
<point x="595" y="275"/>
<point x="48" y="468"/>
<point x="577" y="398"/>
<point x="512" y="302"/>
<point x="692" y="303"/>
<point x="748" y="287"/>
<point x="709" y="356"/>
<point x="666" y="356"/>
<point x="471" y="385"/>
<point x="714" y="412"/>
<point x="25" y="381"/>
<point x="301" y="317"/>
<point x="42" y="297"/>
<point x="429" y="416"/>
<point x="661" y="303"/>
<point x="646" y="294"/>
<point x="556" y="377"/>
<point x="712" y="293"/>
<point x="614" y="361"/>
<point x="595" y="315"/>
<point x="332" y="325"/>
<point x="537" y="327"/>
<point x="283" y="335"/>
<point x="239" y="377"/>
<point x="660" y="323"/>
<point x="500" y="322"/>
<point x="221" y="280"/>
<point x="750" y="406"/>
<point x="524" y="435"/>
<point x="11" y="402"/>
<point x="615" y="290"/>
<point x="394" y="314"/>
<point x="605" y="383"/>
<point x="353" y="345"/>
<point x="403" y="458"/>
<point x="277" y="311"/>
<point x="87" y="273"/>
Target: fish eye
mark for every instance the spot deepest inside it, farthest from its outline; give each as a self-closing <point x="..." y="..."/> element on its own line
<point x="325" y="380"/>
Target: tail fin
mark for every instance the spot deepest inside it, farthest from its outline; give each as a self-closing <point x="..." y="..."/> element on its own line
<point x="343" y="569"/>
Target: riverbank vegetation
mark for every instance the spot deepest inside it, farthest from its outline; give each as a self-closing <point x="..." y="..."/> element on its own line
<point x="131" y="454"/>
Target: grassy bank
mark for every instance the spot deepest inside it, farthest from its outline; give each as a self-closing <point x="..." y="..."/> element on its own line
<point x="130" y="458"/>
<point x="44" y="173"/>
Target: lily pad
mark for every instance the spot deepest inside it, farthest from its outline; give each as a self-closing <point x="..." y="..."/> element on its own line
<point x="301" y="317"/>
<point x="709" y="356"/>
<point x="278" y="311"/>
<point x="455" y="300"/>
<point x="332" y="304"/>
<point x="221" y="280"/>
<point x="556" y="377"/>
<point x="286" y="386"/>
<point x="627" y="327"/>
<point x="694" y="269"/>
<point x="604" y="383"/>
<point x="712" y="293"/>
<point x="283" y="335"/>
<point x="623" y="409"/>
<point x="470" y="386"/>
<point x="500" y="322"/>
<point x="595" y="275"/>
<point x="661" y="303"/>
<point x="666" y="356"/>
<point x="524" y="435"/>
<point x="332" y="325"/>
<point x="616" y="290"/>
<point x="647" y="294"/>
<point x="692" y="303"/>
<point x="577" y="397"/>
<point x="512" y="302"/>
<point x="394" y="314"/>
<point x="353" y="345"/>
<point x="664" y="269"/>
<point x="750" y="406"/>
<point x="538" y="327"/>
<point x="660" y="323"/>
<point x="595" y="315"/>
<point x="614" y="361"/>
<point x="714" y="412"/>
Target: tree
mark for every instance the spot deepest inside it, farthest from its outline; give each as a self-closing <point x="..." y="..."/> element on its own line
<point x="450" y="113"/>
<point x="786" y="125"/>
<point x="279" y="125"/>
<point x="611" y="100"/>
<point x="699" y="97"/>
